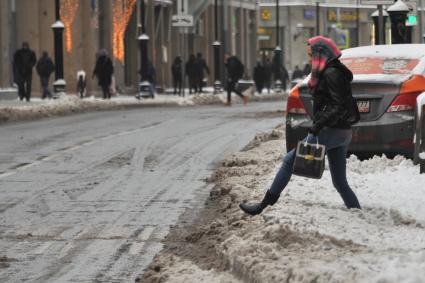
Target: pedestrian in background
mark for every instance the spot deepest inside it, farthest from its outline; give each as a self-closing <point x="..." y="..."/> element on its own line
<point x="334" y="111"/>
<point x="24" y="60"/>
<point x="268" y="74"/>
<point x="280" y="72"/>
<point x="235" y="71"/>
<point x="307" y="69"/>
<point x="151" y="78"/>
<point x="191" y="73"/>
<point x="259" y="76"/>
<point x="200" y="69"/>
<point x="81" y="83"/>
<point x="297" y="74"/>
<point x="103" y="71"/>
<point x="45" y="68"/>
<point x="176" y="70"/>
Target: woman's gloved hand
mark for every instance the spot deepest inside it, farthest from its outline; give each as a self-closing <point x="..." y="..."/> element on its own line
<point x="314" y="130"/>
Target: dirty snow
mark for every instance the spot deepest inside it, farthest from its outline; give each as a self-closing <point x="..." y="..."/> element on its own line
<point x="309" y="235"/>
<point x="15" y="110"/>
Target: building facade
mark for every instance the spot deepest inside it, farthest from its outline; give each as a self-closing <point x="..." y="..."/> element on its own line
<point x="346" y="22"/>
<point x="114" y="25"/>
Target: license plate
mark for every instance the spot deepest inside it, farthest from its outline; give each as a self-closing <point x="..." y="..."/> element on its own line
<point x="364" y="106"/>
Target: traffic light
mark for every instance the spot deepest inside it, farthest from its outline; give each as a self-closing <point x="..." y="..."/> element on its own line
<point x="411" y="20"/>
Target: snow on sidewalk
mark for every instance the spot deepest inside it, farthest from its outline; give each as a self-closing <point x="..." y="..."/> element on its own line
<point x="309" y="235"/>
<point x="15" y="110"/>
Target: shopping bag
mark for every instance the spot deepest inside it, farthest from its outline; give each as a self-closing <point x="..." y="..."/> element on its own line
<point x="309" y="159"/>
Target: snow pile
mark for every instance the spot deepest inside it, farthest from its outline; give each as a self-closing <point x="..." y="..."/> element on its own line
<point x="67" y="104"/>
<point x="309" y="235"/>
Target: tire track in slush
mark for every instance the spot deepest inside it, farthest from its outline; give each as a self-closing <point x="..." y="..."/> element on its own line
<point x="130" y="212"/>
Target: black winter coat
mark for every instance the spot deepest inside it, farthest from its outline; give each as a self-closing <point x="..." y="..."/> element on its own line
<point x="45" y="66"/>
<point x="235" y="68"/>
<point x="333" y="104"/>
<point x="104" y="70"/>
<point x="24" y="60"/>
<point x="201" y="66"/>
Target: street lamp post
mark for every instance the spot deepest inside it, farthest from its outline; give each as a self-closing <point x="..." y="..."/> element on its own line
<point x="398" y="15"/>
<point x="277" y="54"/>
<point x="216" y="46"/>
<point x="144" y="86"/>
<point x="58" y="27"/>
<point x="379" y="31"/>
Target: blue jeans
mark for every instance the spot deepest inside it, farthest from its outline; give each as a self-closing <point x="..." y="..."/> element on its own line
<point x="336" y="142"/>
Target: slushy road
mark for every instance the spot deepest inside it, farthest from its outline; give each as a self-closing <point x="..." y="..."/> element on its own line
<point x="88" y="198"/>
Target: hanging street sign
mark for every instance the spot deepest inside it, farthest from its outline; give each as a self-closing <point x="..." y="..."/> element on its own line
<point x="181" y="20"/>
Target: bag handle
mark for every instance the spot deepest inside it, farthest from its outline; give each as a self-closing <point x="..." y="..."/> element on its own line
<point x="317" y="141"/>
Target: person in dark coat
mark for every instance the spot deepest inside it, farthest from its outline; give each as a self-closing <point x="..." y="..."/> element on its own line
<point x="191" y="73"/>
<point x="235" y="71"/>
<point x="45" y="68"/>
<point x="297" y="74"/>
<point x="334" y="111"/>
<point x="268" y="74"/>
<point x="283" y="72"/>
<point x="259" y="76"/>
<point x="176" y="70"/>
<point x="200" y="69"/>
<point x="103" y="71"/>
<point x="81" y="83"/>
<point x="307" y="69"/>
<point x="24" y="60"/>
<point x="151" y="78"/>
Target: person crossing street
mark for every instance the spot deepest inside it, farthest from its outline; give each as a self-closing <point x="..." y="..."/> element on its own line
<point x="235" y="70"/>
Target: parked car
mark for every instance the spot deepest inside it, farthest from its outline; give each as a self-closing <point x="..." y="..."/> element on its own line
<point x="387" y="81"/>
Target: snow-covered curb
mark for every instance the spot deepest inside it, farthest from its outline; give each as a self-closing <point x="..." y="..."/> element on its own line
<point x="69" y="104"/>
<point x="308" y="236"/>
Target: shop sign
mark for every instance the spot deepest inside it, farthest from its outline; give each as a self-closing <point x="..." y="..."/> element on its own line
<point x="344" y="16"/>
<point x="266" y="15"/>
<point x="264" y="37"/>
<point x="309" y="14"/>
<point x="342" y="38"/>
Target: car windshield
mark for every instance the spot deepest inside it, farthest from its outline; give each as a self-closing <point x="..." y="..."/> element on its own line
<point x="380" y="65"/>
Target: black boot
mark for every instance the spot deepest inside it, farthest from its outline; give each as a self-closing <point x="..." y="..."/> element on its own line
<point x="257" y="208"/>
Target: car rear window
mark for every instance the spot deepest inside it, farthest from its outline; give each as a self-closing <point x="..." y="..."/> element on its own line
<point x="380" y="65"/>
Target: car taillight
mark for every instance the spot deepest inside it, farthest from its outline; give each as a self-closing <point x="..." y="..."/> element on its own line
<point x="294" y="104"/>
<point x="404" y="102"/>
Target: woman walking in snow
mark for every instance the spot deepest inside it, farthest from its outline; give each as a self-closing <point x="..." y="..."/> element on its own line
<point x="334" y="112"/>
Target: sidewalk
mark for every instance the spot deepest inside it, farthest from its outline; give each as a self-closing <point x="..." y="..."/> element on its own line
<point x="15" y="110"/>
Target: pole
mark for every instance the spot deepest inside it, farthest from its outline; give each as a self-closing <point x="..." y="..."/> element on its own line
<point x="420" y="21"/>
<point x="144" y="86"/>
<point x="276" y="60"/>
<point x="216" y="46"/>
<point x="58" y="27"/>
<point x="381" y="27"/>
<point x="317" y="18"/>
<point x="12" y="37"/>
<point x="358" y="22"/>
<point x="277" y="22"/>
<point x="57" y="10"/>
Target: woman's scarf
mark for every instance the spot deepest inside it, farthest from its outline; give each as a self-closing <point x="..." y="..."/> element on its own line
<point x="324" y="50"/>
